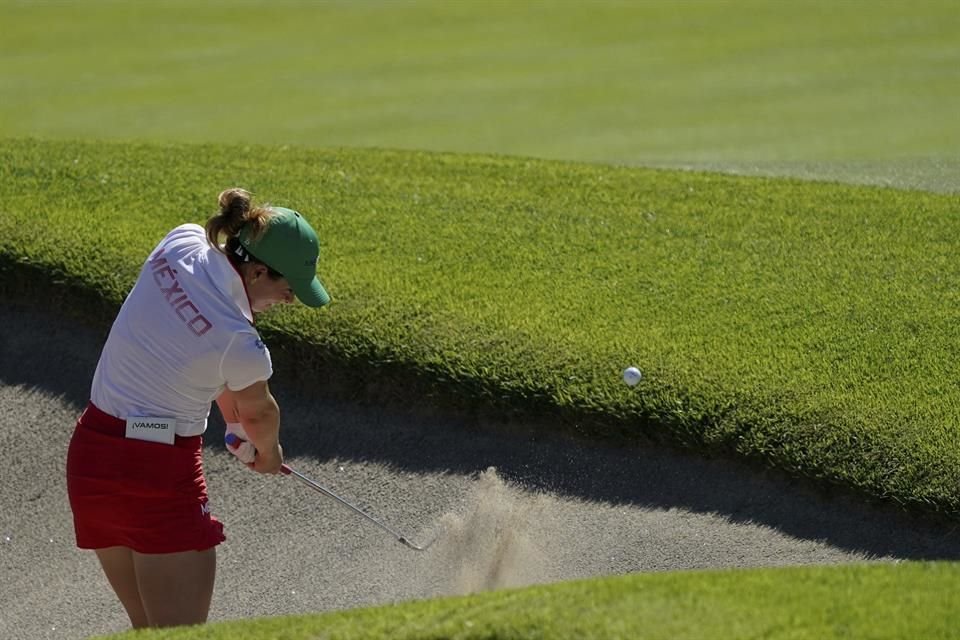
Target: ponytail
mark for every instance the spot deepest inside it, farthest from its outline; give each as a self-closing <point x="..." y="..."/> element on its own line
<point x="236" y="212"/>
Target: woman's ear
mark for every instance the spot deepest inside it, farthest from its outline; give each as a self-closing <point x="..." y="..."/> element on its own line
<point x="252" y="271"/>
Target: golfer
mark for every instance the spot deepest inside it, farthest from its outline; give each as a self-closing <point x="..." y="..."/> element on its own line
<point x="184" y="337"/>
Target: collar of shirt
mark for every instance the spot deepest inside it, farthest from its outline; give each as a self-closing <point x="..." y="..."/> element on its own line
<point x="228" y="280"/>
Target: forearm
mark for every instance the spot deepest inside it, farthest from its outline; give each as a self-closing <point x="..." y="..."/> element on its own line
<point x="228" y="406"/>
<point x="256" y="410"/>
<point x="263" y="429"/>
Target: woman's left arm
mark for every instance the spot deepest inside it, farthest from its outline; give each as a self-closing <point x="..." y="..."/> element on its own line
<point x="228" y="406"/>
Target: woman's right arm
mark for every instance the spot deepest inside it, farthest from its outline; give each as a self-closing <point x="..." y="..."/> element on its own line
<point x="257" y="410"/>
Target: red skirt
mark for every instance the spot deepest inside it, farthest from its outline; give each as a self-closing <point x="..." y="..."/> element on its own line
<point x="147" y="496"/>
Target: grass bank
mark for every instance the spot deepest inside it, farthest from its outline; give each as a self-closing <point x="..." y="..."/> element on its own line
<point x="811" y="327"/>
<point x="905" y="601"/>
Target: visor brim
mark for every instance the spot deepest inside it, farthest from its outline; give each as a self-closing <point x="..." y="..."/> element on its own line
<point x="311" y="293"/>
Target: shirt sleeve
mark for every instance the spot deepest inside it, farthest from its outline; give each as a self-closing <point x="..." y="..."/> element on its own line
<point x="246" y="361"/>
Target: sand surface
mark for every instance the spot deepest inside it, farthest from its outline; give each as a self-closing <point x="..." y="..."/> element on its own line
<point x="509" y="509"/>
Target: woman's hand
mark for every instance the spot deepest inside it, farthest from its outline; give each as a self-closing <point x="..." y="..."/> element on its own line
<point x="238" y="443"/>
<point x="269" y="461"/>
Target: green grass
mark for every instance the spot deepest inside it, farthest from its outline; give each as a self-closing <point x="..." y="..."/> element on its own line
<point x="907" y="601"/>
<point x="811" y="327"/>
<point x="860" y="89"/>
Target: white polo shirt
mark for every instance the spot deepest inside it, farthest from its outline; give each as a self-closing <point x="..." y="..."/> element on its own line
<point x="184" y="333"/>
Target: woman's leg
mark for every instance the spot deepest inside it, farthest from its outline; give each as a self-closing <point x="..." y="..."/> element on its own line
<point x="117" y="563"/>
<point x="176" y="588"/>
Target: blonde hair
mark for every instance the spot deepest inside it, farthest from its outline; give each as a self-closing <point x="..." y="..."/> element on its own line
<point x="236" y="213"/>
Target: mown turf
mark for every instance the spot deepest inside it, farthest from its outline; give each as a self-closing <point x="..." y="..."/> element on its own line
<point x="813" y="327"/>
<point x="815" y="86"/>
<point x="907" y="601"/>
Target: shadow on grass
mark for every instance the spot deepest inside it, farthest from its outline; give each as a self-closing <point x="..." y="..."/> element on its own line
<point x="45" y="350"/>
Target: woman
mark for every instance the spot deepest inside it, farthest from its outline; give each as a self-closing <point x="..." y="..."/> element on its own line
<point x="184" y="337"/>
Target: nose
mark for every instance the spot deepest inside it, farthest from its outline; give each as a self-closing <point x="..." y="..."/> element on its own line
<point x="288" y="297"/>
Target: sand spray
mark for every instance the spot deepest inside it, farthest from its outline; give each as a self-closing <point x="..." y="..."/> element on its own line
<point x="491" y="544"/>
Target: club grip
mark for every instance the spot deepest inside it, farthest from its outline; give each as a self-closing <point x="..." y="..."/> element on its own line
<point x="233" y="440"/>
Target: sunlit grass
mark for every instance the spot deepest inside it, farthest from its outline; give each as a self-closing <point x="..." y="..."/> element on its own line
<point x="811" y="327"/>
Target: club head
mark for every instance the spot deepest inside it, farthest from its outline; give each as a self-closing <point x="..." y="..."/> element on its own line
<point x="415" y="547"/>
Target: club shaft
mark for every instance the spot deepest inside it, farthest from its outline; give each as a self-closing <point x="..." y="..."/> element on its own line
<point x="320" y="488"/>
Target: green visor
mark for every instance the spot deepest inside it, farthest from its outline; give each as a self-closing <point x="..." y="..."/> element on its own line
<point x="290" y="246"/>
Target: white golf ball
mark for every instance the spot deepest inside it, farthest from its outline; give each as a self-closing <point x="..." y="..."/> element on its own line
<point x="632" y="375"/>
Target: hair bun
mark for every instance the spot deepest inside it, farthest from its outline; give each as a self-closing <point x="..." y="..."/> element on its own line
<point x="234" y="203"/>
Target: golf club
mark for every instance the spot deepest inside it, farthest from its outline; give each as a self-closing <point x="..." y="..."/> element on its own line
<point x="232" y="440"/>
